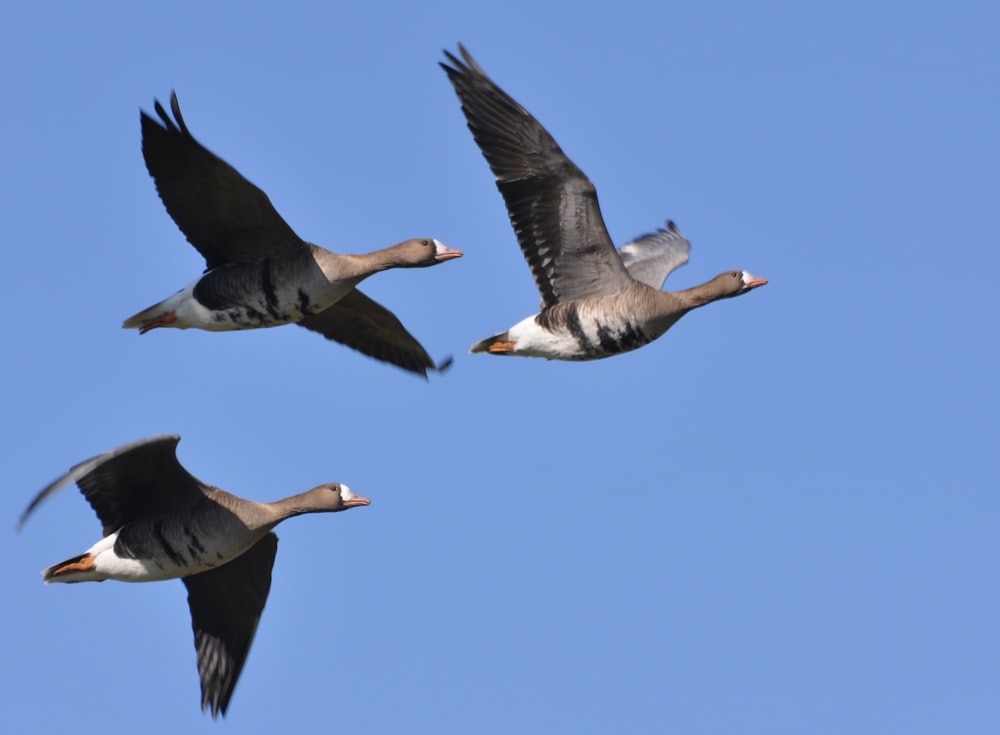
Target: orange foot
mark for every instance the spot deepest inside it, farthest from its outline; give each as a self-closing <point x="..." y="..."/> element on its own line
<point x="164" y="320"/>
<point x="85" y="564"/>
<point x="501" y="348"/>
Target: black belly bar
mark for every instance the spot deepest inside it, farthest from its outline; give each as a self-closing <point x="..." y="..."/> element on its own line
<point x="613" y="343"/>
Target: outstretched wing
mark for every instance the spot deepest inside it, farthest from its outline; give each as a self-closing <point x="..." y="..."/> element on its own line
<point x="226" y="604"/>
<point x="552" y="204"/>
<point x="651" y="257"/>
<point x="137" y="480"/>
<point x="228" y="219"/>
<point x="364" y="325"/>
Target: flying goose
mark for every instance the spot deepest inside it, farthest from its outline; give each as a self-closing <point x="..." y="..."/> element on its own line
<point x="596" y="301"/>
<point x="259" y="273"/>
<point x="160" y="522"/>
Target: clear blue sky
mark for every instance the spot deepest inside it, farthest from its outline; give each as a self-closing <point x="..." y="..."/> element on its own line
<point x="781" y="517"/>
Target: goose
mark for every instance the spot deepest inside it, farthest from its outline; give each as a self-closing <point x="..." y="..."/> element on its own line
<point x="160" y="522"/>
<point x="596" y="301"/>
<point x="259" y="273"/>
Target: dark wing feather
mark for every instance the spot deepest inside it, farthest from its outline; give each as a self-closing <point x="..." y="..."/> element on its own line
<point x="137" y="480"/>
<point x="369" y="328"/>
<point x="650" y="258"/>
<point x="552" y="204"/>
<point x="228" y="219"/>
<point x="226" y="604"/>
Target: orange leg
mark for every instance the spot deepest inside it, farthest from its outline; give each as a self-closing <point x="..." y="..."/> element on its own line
<point x="86" y="564"/>
<point x="161" y="321"/>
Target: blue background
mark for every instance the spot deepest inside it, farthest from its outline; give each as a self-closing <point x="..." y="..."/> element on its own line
<point x="779" y="518"/>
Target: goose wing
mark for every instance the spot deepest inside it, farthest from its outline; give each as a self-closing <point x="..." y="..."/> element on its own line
<point x="552" y="204"/>
<point x="134" y="481"/>
<point x="226" y="604"/>
<point x="368" y="327"/>
<point x="651" y="257"/>
<point x="226" y="218"/>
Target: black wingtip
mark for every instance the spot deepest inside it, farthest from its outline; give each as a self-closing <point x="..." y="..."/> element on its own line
<point x="213" y="706"/>
<point x="175" y="107"/>
<point x="215" y="695"/>
<point x="441" y="368"/>
<point x="468" y="58"/>
<point x="162" y="114"/>
<point x="173" y="124"/>
<point x="459" y="66"/>
<point x="456" y="65"/>
<point x="45" y="493"/>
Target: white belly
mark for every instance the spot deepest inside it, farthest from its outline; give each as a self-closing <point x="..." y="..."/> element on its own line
<point x="582" y="338"/>
<point x="184" y="559"/>
<point x="532" y="340"/>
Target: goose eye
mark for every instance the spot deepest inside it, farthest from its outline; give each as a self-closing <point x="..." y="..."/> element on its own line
<point x="735" y="274"/>
<point x="426" y="243"/>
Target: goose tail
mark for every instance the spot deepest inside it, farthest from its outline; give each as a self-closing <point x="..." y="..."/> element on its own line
<point x="498" y="344"/>
<point x="76" y="569"/>
<point x="136" y="321"/>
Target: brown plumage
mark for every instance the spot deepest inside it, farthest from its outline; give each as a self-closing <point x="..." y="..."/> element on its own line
<point x="259" y="273"/>
<point x="160" y="522"/>
<point x="596" y="301"/>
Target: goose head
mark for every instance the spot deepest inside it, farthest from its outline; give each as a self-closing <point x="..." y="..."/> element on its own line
<point x="333" y="497"/>
<point x="422" y="252"/>
<point x="725" y="286"/>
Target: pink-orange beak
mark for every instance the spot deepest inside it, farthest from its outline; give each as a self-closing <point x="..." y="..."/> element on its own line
<point x="751" y="281"/>
<point x="356" y="501"/>
<point x="442" y="252"/>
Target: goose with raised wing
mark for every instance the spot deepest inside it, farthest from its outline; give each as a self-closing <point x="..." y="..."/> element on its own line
<point x="259" y="273"/>
<point x="160" y="522"/>
<point x="596" y="301"/>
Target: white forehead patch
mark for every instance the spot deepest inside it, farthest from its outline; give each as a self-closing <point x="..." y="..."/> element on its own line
<point x="746" y="277"/>
<point x="345" y="493"/>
